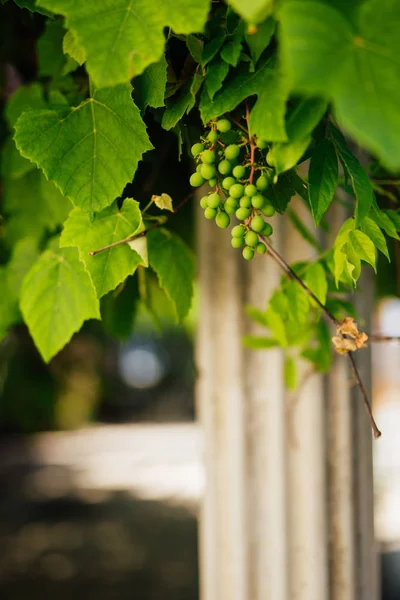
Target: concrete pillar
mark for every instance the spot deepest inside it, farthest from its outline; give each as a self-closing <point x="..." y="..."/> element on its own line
<point x="287" y="512"/>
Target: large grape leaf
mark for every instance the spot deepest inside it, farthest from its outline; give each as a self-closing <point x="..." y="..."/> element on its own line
<point x="108" y="268"/>
<point x="25" y="254"/>
<point x="13" y="165"/>
<point x="267" y="118"/>
<point x="26" y="97"/>
<point x="57" y="296"/>
<point x="173" y="262"/>
<point x="90" y="151"/>
<point x="122" y="37"/>
<point x="352" y="61"/>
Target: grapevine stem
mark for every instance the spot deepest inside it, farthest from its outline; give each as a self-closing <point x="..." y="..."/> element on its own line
<point x="252" y="145"/>
<point x="130" y="238"/>
<point x="289" y="271"/>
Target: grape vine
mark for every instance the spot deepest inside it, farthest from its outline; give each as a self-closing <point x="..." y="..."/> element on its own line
<point x="105" y="108"/>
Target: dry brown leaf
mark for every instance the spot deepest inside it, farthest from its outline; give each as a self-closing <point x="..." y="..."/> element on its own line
<point x="343" y="345"/>
<point x="348" y="327"/>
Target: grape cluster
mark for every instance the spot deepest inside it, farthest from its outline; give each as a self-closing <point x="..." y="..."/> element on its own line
<point x="237" y="185"/>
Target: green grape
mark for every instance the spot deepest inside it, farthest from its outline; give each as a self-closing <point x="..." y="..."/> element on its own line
<point x="242" y="213"/>
<point x="223" y="125"/>
<point x="251" y="238"/>
<point x="236" y="190"/>
<point x="267" y="231"/>
<point x="237" y="231"/>
<point x="257" y="224"/>
<point x="262" y="144"/>
<point x="198" y="168"/>
<point x="224" y="167"/>
<point x="196" y="149"/>
<point x="245" y="201"/>
<point x="204" y="202"/>
<point x="262" y="183"/>
<point x="210" y="213"/>
<point x="261" y="248"/>
<point x="196" y="180"/>
<point x="212" y="136"/>
<point x="270" y="158"/>
<point x="237" y="242"/>
<point x="232" y="152"/>
<point x="258" y="201"/>
<point x="208" y="157"/>
<point x="250" y="190"/>
<point x="268" y="210"/>
<point x="208" y="171"/>
<point x="232" y="202"/>
<point x="212" y="182"/>
<point x="213" y="200"/>
<point x="222" y="220"/>
<point x="247" y="253"/>
<point x="220" y="152"/>
<point x="229" y="208"/>
<point x="228" y="182"/>
<point x="239" y="171"/>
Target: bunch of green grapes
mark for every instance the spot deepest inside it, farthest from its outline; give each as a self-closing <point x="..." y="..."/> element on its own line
<point x="237" y="184"/>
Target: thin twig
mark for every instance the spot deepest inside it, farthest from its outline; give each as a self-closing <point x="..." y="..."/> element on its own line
<point x="136" y="236"/>
<point x="289" y="271"/>
<point x="130" y="238"/>
<point x="377" y="432"/>
<point x="377" y="337"/>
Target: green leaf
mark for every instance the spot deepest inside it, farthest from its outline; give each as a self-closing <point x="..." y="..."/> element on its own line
<point x="150" y="86"/>
<point x="216" y="72"/>
<point x="276" y="323"/>
<point x="119" y="308"/>
<point x="352" y="61"/>
<point x="24" y="98"/>
<point x="13" y="165"/>
<point x="195" y="46"/>
<point x="73" y="48"/>
<point x="9" y="313"/>
<point x="298" y="302"/>
<point x="32" y="7"/>
<point x="343" y="235"/>
<point x="290" y="373"/>
<point x="25" y="254"/>
<point x="51" y="58"/>
<point x="360" y="181"/>
<point x="212" y="48"/>
<point x="267" y="118"/>
<point x="164" y="202"/>
<point x="173" y="262"/>
<point x="232" y="49"/>
<point x="258" y="342"/>
<point x="256" y="315"/>
<point x="281" y="192"/>
<point x="299" y="126"/>
<point x="363" y="247"/>
<point x="57" y="296"/>
<point x="259" y="39"/>
<point x="183" y="104"/>
<point x="108" y="268"/>
<point x="321" y="356"/>
<point x="372" y="230"/>
<point x="253" y="11"/>
<point x="35" y="203"/>
<point x="383" y="220"/>
<point x="316" y="281"/>
<point x="91" y="152"/>
<point x="322" y="179"/>
<point x="122" y="38"/>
